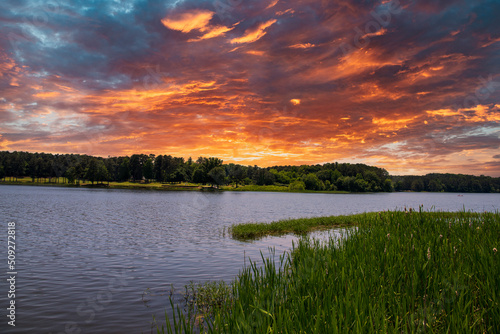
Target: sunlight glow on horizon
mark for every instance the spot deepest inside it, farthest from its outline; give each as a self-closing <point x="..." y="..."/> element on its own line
<point x="268" y="83"/>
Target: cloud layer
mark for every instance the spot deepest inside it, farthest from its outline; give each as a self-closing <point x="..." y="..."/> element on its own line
<point x="410" y="86"/>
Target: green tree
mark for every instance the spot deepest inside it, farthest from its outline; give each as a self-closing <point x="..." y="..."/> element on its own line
<point x="158" y="175"/>
<point x="32" y="168"/>
<point x="236" y="173"/>
<point x="217" y="176"/>
<point x="335" y="176"/>
<point x="263" y="177"/>
<point x="91" y="173"/>
<point x="18" y="165"/>
<point x="417" y="185"/>
<point x="373" y="179"/>
<point x="136" y="163"/>
<point x="312" y="182"/>
<point x="282" y="177"/>
<point x="102" y="172"/>
<point x="360" y="185"/>
<point x="148" y="170"/>
<point x="199" y="175"/>
<point x="124" y="170"/>
<point x="297" y="185"/>
<point x="179" y="175"/>
<point x="324" y="175"/>
<point x="435" y="185"/>
<point x="387" y="185"/>
<point x="209" y="163"/>
<point x="71" y="174"/>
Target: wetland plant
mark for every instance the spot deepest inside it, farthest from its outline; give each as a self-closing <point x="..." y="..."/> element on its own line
<point x="397" y="272"/>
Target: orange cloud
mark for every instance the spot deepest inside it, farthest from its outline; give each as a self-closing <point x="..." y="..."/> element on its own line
<point x="253" y="35"/>
<point x="302" y="46"/>
<point x="47" y="95"/>
<point x="196" y="19"/>
<point x="478" y="114"/>
<point x="272" y="4"/>
<point x="212" y="33"/>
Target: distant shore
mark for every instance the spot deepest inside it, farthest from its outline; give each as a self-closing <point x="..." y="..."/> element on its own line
<point x="182" y="186"/>
<point x="169" y="186"/>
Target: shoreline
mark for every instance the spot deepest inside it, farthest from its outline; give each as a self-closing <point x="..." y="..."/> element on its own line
<point x="166" y="187"/>
<point x="197" y="187"/>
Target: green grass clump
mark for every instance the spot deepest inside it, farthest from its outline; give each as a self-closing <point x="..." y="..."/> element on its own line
<point x="398" y="272"/>
<point x="297" y="226"/>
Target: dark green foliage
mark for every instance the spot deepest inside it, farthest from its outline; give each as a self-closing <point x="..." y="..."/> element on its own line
<point x="312" y="182"/>
<point x="179" y="175"/>
<point x="199" y="175"/>
<point x="217" y="176"/>
<point x="96" y="171"/>
<point x="236" y="173"/>
<point x="147" y="169"/>
<point x="124" y="170"/>
<point x="297" y="186"/>
<point x="136" y="166"/>
<point x="71" y="174"/>
<point x="42" y="167"/>
<point x="91" y="173"/>
<point x="102" y="171"/>
<point x="447" y="182"/>
<point x="263" y="177"/>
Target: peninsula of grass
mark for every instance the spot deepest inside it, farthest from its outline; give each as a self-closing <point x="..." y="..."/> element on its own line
<point x="296" y="226"/>
<point x="302" y="226"/>
<point x="397" y="272"/>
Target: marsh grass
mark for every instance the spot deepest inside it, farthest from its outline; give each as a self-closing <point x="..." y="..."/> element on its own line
<point x="398" y="272"/>
<point x="298" y="226"/>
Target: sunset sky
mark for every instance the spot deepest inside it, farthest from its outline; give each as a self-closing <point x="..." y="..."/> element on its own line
<point x="410" y="86"/>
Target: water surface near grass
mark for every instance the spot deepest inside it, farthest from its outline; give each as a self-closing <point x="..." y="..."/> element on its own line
<point x="398" y="272"/>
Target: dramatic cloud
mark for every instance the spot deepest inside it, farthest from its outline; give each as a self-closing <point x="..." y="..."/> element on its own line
<point x="254" y="34"/>
<point x="410" y="86"/>
<point x="188" y="21"/>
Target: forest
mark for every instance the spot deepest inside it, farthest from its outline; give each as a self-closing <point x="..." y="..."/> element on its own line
<point x="141" y="168"/>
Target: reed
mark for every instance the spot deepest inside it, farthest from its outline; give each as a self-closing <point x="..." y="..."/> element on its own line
<point x="398" y="272"/>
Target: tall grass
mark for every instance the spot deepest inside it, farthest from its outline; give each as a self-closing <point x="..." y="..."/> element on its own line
<point x="297" y="226"/>
<point x="398" y="272"/>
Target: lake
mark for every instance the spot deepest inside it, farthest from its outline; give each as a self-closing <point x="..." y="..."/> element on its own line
<point x="104" y="261"/>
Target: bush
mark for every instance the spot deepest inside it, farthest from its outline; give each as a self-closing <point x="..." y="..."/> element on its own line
<point x="297" y="186"/>
<point x="312" y="182"/>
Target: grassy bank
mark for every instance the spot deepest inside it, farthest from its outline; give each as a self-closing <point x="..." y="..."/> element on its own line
<point x="62" y="182"/>
<point x="297" y="226"/>
<point x="396" y="273"/>
<point x="276" y="188"/>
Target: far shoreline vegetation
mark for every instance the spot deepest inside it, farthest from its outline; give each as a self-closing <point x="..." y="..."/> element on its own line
<point x="164" y="172"/>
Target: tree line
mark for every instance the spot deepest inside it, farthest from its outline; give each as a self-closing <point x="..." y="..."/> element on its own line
<point x="447" y="183"/>
<point x="77" y="168"/>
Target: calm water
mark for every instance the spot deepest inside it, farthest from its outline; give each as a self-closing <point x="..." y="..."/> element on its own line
<point x="86" y="258"/>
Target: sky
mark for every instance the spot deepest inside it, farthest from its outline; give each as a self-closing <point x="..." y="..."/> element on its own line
<point x="409" y="86"/>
